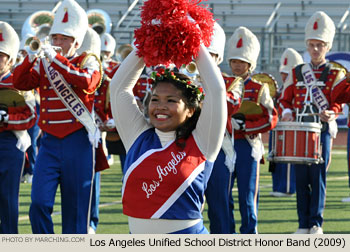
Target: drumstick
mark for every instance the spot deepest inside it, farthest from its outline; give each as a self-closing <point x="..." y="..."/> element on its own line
<point x="313" y="114"/>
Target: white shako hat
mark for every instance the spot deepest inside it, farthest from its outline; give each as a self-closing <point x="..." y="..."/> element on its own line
<point x="91" y="43"/>
<point x="217" y="44"/>
<point x="9" y="41"/>
<point x="70" y="20"/>
<point x="244" y="45"/>
<point x="290" y="58"/>
<point x="108" y="43"/>
<point x="321" y="27"/>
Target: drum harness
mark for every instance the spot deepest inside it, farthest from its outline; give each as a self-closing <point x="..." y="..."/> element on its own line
<point x="309" y="105"/>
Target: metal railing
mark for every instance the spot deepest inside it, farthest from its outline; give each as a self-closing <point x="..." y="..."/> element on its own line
<point x="269" y="29"/>
<point x="122" y="19"/>
<point x="122" y="30"/>
<point x="341" y="27"/>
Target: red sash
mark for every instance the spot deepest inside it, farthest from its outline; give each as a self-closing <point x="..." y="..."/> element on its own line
<point x="159" y="177"/>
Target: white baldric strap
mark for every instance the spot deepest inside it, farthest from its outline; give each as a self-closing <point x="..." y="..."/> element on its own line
<point x="318" y="97"/>
<point x="228" y="148"/>
<point x="72" y="101"/>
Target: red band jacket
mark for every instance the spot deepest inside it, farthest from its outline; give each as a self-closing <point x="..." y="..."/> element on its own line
<point x="258" y="109"/>
<point x="55" y="118"/>
<point x="294" y="91"/>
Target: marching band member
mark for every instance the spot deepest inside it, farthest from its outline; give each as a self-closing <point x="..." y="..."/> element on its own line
<point x="340" y="94"/>
<point x="92" y="44"/>
<point x="283" y="175"/>
<point x="219" y="189"/>
<point x="108" y="44"/>
<point x="17" y="114"/>
<point x="113" y="143"/>
<point x="170" y="155"/>
<point x="316" y="79"/>
<point x="255" y="116"/>
<point x="67" y="152"/>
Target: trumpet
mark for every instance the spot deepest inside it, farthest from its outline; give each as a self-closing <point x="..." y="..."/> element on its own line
<point x="190" y="70"/>
<point x="35" y="45"/>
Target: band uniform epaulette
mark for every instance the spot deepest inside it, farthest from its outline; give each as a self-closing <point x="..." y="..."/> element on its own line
<point x="225" y="74"/>
<point x="86" y="56"/>
<point x="341" y="69"/>
<point x="230" y="82"/>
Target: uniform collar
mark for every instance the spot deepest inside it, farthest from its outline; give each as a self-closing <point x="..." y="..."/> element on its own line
<point x="247" y="79"/>
<point x="318" y="67"/>
<point x="72" y="57"/>
<point x="5" y="76"/>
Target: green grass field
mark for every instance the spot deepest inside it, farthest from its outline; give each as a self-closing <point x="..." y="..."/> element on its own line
<point x="276" y="215"/>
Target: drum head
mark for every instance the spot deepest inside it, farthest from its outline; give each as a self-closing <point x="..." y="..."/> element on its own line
<point x="11" y="98"/>
<point x="250" y="108"/>
<point x="269" y="80"/>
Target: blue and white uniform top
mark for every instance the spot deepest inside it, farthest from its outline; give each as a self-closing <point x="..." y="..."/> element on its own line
<point x="164" y="209"/>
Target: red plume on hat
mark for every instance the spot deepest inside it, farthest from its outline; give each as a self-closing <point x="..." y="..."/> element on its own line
<point x="285" y="61"/>
<point x="239" y="43"/>
<point x="1" y="37"/>
<point x="65" y="17"/>
<point x="315" y="25"/>
<point x="167" y="35"/>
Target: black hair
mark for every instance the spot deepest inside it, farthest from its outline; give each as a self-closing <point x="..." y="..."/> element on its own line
<point x="192" y="101"/>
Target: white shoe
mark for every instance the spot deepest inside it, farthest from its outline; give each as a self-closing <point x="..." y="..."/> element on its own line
<point x="346" y="199"/>
<point x="91" y="231"/>
<point x="316" y="230"/>
<point x="302" y="231"/>
<point x="280" y="194"/>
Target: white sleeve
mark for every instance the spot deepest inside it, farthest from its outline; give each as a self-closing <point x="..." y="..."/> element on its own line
<point x="129" y="120"/>
<point x="209" y="132"/>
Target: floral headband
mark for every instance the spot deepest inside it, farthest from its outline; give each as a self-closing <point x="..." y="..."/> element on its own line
<point x="162" y="74"/>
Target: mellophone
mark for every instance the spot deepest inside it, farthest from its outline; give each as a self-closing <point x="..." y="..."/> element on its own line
<point x="296" y="142"/>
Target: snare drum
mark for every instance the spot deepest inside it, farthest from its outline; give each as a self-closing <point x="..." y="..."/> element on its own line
<point x="297" y="143"/>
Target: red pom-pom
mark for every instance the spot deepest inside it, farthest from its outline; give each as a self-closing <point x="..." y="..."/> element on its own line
<point x="168" y="36"/>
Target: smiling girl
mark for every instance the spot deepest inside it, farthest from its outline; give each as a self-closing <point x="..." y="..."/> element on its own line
<point x="170" y="158"/>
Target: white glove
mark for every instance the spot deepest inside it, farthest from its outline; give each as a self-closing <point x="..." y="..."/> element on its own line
<point x="49" y="52"/>
<point x="238" y="124"/>
<point x="110" y="124"/>
<point x="4" y="117"/>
